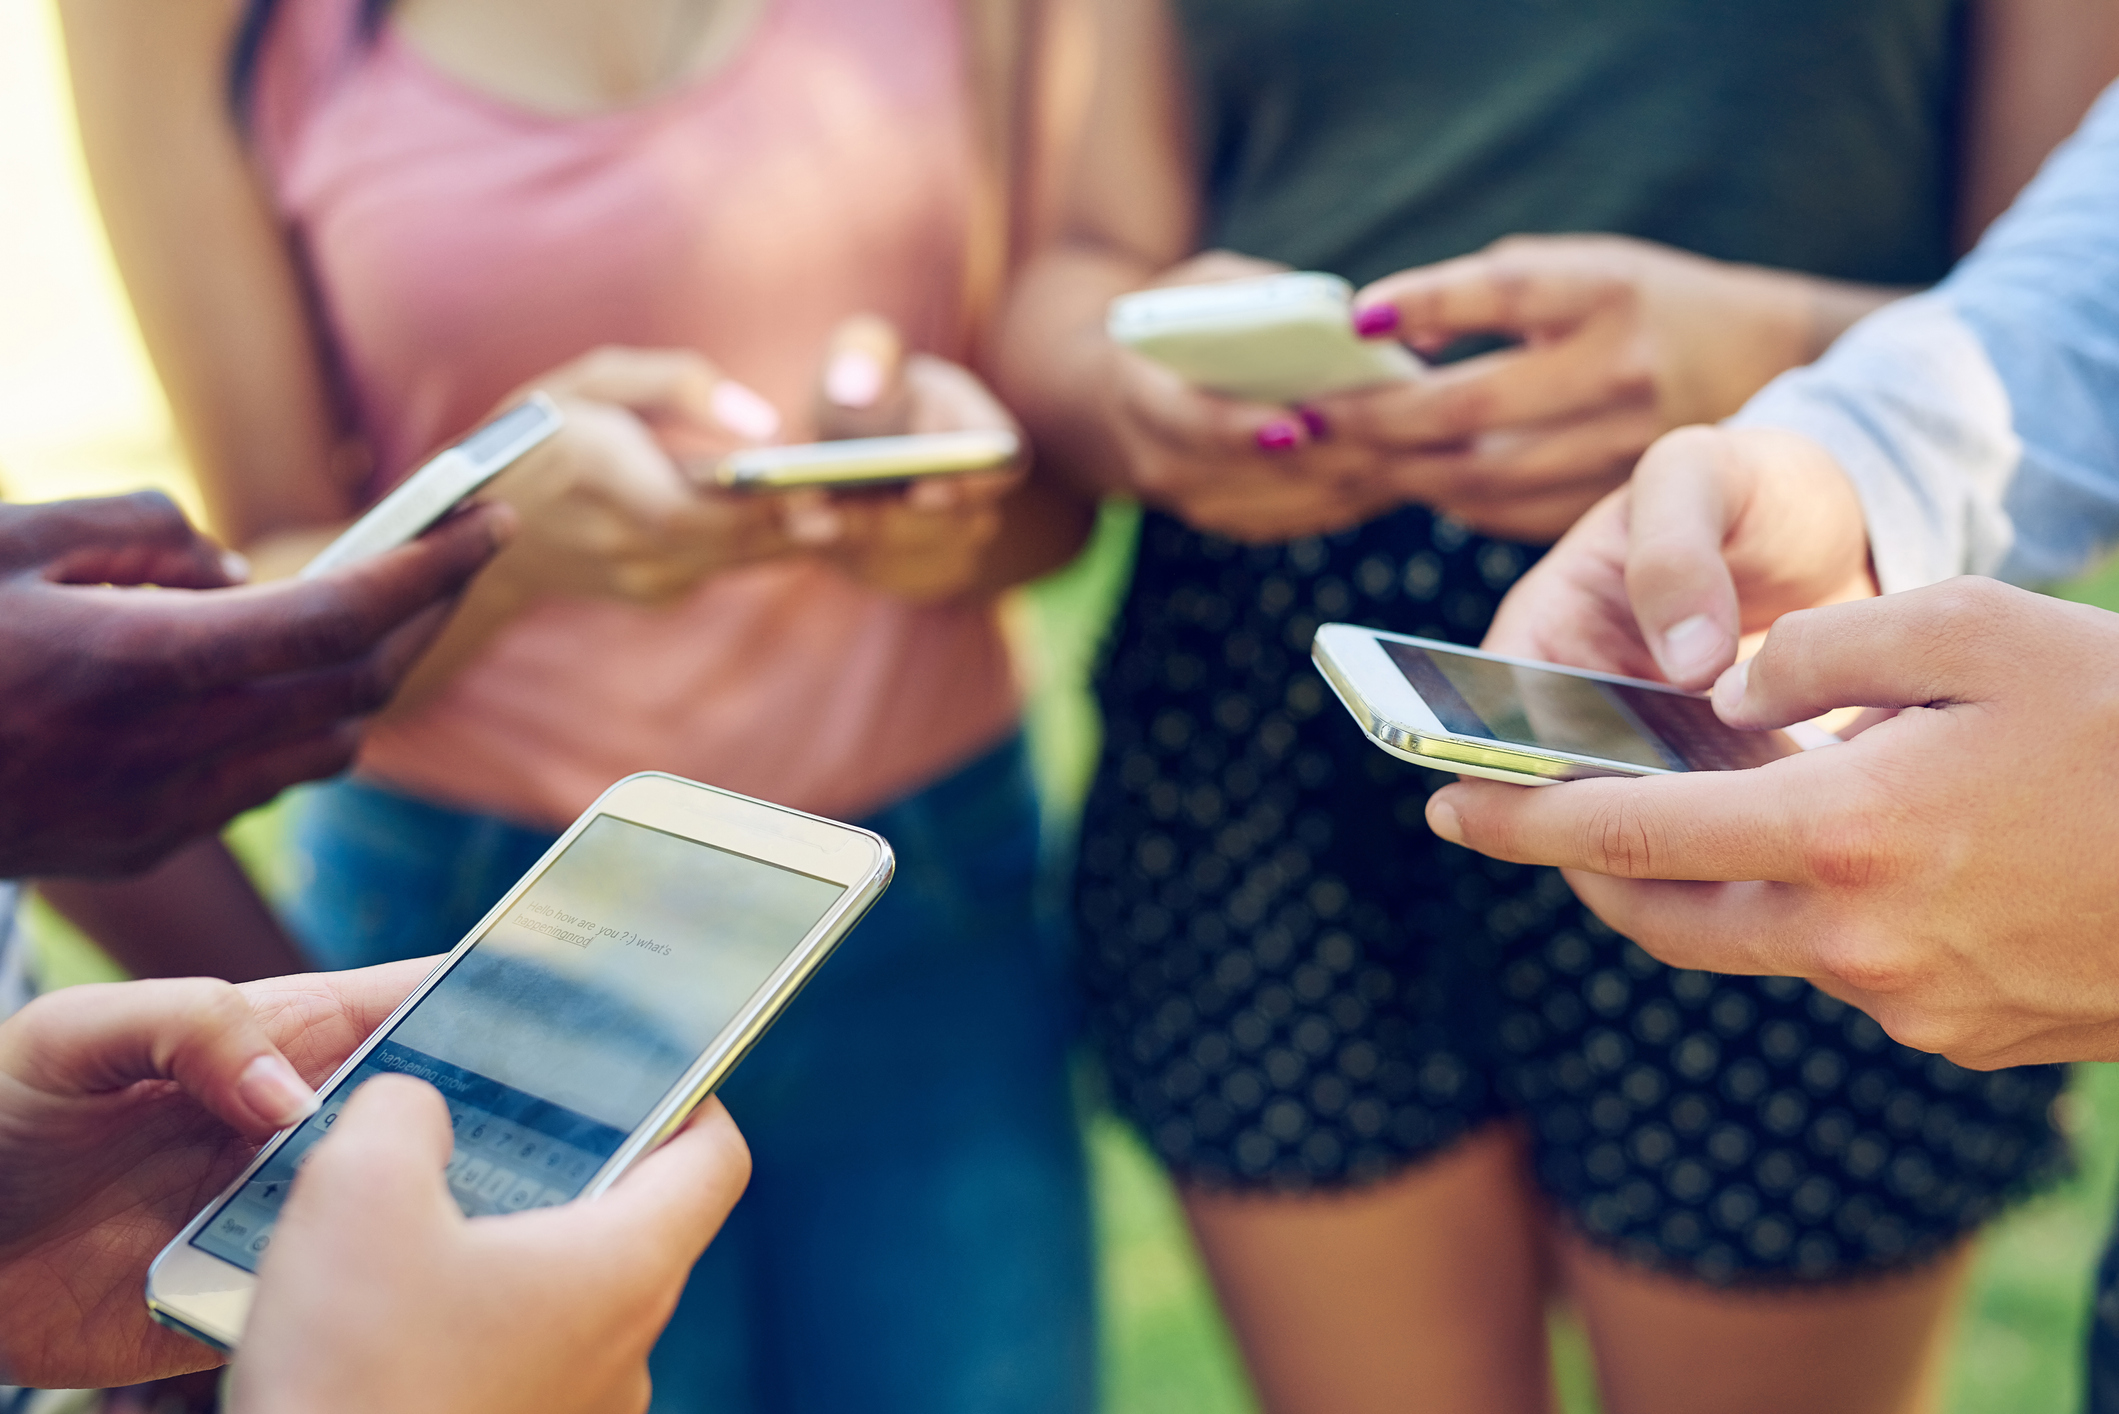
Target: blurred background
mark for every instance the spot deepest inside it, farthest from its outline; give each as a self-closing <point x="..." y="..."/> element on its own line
<point x="80" y="414"/>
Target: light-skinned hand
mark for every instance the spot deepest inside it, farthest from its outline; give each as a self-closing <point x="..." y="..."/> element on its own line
<point x="1252" y="472"/>
<point x="134" y="719"/>
<point x="1718" y="533"/>
<point x="1618" y="341"/>
<point x="607" y="505"/>
<point x="378" y="1293"/>
<point x="921" y="542"/>
<point x="124" y="1108"/>
<point x="1948" y="870"/>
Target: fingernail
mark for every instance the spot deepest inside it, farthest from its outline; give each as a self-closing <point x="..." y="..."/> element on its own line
<point x="271" y="1088"/>
<point x="853" y="379"/>
<point x="1692" y="648"/>
<point x="235" y="568"/>
<point x="1442" y="819"/>
<point x="1729" y="690"/>
<point x="1314" y="420"/>
<point x="743" y="412"/>
<point x="1376" y="320"/>
<point x="1279" y="437"/>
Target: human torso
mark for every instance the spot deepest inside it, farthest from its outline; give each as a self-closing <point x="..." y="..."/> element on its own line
<point x="1367" y="136"/>
<point x="461" y="244"/>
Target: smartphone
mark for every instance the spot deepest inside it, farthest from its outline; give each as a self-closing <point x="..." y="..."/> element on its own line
<point x="1273" y="339"/>
<point x="1509" y="719"/>
<point x="581" y="1021"/>
<point x="440" y="485"/>
<point x="866" y="462"/>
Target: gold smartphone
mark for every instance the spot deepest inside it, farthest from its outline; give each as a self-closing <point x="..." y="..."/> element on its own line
<point x="581" y="1022"/>
<point x="862" y="463"/>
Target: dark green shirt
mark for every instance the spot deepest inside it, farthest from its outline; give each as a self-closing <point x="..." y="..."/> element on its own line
<point x="1367" y="136"/>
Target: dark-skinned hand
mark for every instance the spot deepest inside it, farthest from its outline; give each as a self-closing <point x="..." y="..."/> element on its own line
<point x="135" y="718"/>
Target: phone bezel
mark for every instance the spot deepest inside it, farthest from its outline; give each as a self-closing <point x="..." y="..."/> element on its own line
<point x="434" y="489"/>
<point x="208" y="1298"/>
<point x="1393" y="714"/>
<point x="868" y="462"/>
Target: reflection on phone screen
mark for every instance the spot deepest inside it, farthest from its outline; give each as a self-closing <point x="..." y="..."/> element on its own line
<point x="555" y="1035"/>
<point x="1560" y="711"/>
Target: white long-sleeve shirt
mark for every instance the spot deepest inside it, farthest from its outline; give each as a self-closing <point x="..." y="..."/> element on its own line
<point x="1979" y="422"/>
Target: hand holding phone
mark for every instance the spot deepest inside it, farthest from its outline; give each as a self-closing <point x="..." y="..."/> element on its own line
<point x="99" y="1164"/>
<point x="608" y="507"/>
<point x="1473" y="713"/>
<point x="379" y="1296"/>
<point x="441" y="485"/>
<point x="139" y="719"/>
<point x="1283" y="338"/>
<point x="580" y="1024"/>
<point x="904" y="492"/>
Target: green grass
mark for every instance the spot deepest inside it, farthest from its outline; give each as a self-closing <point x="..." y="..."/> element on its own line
<point x="1166" y="1349"/>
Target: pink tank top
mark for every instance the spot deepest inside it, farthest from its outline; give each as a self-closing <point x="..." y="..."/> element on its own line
<point x="461" y="245"/>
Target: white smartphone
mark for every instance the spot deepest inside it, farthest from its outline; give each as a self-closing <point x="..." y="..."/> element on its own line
<point x="440" y="485"/>
<point x="866" y="462"/>
<point x="581" y="1021"/>
<point x="1509" y="719"/>
<point x="1273" y="339"/>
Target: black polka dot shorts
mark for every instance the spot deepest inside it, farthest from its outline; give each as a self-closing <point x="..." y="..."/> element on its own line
<point x="1294" y="985"/>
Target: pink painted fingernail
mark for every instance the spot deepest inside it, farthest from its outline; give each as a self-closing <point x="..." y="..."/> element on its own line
<point x="743" y="411"/>
<point x="853" y="379"/>
<point x="1376" y="320"/>
<point x="1314" y="420"/>
<point x="1279" y="437"/>
<point x="274" y="1092"/>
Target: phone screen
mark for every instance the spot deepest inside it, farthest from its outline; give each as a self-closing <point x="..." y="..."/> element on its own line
<point x="555" y="1034"/>
<point x="1560" y="711"/>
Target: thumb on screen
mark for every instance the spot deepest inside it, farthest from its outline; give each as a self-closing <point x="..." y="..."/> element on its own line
<point x="1680" y="506"/>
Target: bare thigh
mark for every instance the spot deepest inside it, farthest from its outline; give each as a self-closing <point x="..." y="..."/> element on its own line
<point x="1665" y="1345"/>
<point x="1420" y="1295"/>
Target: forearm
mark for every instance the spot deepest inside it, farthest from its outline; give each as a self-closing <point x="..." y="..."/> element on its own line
<point x="194" y="915"/>
<point x="1051" y="361"/>
<point x="1043" y="527"/>
<point x="1980" y="422"/>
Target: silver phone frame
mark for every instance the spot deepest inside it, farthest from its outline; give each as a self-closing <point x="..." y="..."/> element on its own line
<point x="857" y="462"/>
<point x="208" y="1298"/>
<point x="1392" y="713"/>
<point x="433" y="490"/>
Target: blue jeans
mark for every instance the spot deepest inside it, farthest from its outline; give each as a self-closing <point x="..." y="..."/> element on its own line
<point x="916" y="1236"/>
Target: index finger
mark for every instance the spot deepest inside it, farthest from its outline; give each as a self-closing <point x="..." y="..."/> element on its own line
<point x="1506" y="290"/>
<point x="317" y="1018"/>
<point x="217" y="638"/>
<point x="1517" y="387"/>
<point x="1712" y="826"/>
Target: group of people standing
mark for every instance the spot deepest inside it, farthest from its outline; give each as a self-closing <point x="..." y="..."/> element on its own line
<point x="1410" y="1095"/>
